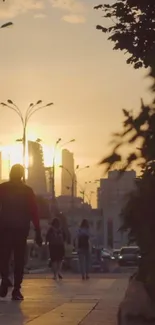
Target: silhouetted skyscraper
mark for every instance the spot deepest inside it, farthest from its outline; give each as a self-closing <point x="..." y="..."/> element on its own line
<point x="67" y="176"/>
<point x="36" y="170"/>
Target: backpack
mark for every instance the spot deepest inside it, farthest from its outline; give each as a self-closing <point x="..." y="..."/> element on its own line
<point x="56" y="237"/>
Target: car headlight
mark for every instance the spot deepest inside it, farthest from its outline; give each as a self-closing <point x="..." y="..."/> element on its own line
<point x="120" y="257"/>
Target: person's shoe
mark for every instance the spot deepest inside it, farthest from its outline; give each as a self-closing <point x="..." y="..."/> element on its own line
<point x="60" y="276"/>
<point x="16" y="295"/>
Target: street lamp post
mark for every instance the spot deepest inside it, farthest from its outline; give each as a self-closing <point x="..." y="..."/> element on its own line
<point x="84" y="189"/>
<point x="73" y="180"/>
<point x="32" y="109"/>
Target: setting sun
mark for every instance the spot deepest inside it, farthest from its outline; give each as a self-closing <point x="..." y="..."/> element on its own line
<point x="13" y="154"/>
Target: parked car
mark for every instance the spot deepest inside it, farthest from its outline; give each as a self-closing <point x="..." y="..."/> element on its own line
<point x="115" y="254"/>
<point x="129" y="255"/>
<point x="106" y="253"/>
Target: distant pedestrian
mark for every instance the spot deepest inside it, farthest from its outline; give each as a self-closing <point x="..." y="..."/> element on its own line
<point x="17" y="208"/>
<point x="83" y="247"/>
<point x="56" y="239"/>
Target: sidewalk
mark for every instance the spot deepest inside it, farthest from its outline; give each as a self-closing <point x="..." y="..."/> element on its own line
<point x="69" y="302"/>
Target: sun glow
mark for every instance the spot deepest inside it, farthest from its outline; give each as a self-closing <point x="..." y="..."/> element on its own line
<point x="13" y="154"/>
<point x="51" y="155"/>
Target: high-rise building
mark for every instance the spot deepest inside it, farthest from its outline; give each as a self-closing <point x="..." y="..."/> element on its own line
<point x="36" y="171"/>
<point x="68" y="174"/>
<point x="112" y="196"/>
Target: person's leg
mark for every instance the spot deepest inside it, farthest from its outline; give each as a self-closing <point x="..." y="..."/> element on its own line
<point x="5" y="255"/>
<point x="87" y="263"/>
<point x="52" y="252"/>
<point x="20" y="238"/>
<point x="61" y="254"/>
<point x="82" y="264"/>
<point x="59" y="269"/>
<point x="55" y="269"/>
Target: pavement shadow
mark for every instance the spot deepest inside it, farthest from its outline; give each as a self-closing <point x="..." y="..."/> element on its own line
<point x="11" y="312"/>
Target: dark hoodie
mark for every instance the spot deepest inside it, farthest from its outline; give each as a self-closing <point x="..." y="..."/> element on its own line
<point x="17" y="206"/>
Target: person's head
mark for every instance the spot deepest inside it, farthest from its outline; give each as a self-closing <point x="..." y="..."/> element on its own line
<point x="17" y="172"/>
<point x="56" y="223"/>
<point x="84" y="224"/>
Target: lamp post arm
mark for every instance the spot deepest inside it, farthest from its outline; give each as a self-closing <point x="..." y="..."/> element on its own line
<point x="33" y="111"/>
<point x="16" y="110"/>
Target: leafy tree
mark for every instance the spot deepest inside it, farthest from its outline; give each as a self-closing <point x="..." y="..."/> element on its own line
<point x="132" y="29"/>
<point x="138" y="216"/>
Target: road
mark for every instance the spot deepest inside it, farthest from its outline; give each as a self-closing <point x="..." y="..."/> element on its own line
<point x="68" y="302"/>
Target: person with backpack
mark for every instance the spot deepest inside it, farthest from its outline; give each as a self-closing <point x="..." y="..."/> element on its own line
<point x="83" y="247"/>
<point x="18" y="208"/>
<point x="55" y="238"/>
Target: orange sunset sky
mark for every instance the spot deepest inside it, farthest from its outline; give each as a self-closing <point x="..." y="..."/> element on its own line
<point x="54" y="53"/>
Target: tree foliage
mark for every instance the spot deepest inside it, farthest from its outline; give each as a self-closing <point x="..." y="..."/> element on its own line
<point x="138" y="216"/>
<point x="138" y="130"/>
<point x="132" y="29"/>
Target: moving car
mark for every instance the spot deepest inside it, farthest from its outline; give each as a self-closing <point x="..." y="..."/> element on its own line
<point x="129" y="255"/>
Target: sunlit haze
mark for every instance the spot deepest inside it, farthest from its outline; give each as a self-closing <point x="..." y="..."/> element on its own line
<point x="54" y="53"/>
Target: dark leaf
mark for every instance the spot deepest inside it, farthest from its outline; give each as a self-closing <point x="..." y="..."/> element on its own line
<point x="103" y="29"/>
<point x="111" y="159"/>
<point x="6" y="25"/>
<point x="98" y="7"/>
<point x="132" y="157"/>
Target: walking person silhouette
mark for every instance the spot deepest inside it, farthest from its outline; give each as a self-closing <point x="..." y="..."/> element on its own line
<point x="17" y="209"/>
<point x="56" y="238"/>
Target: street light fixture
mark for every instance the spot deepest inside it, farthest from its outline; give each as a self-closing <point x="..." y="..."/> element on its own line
<point x="31" y="110"/>
<point x="65" y="143"/>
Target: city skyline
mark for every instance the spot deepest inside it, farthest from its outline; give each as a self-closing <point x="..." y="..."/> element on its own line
<point x="13" y="154"/>
<point x="67" y="61"/>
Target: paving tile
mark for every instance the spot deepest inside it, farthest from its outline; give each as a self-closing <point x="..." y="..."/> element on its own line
<point x="63" y="315"/>
<point x="69" y="302"/>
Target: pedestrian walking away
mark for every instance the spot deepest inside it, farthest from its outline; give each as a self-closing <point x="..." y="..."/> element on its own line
<point x="18" y="208"/>
<point x="56" y="239"/>
<point x="83" y="247"/>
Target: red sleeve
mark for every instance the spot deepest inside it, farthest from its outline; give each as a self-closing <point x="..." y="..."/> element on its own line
<point x="34" y="210"/>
